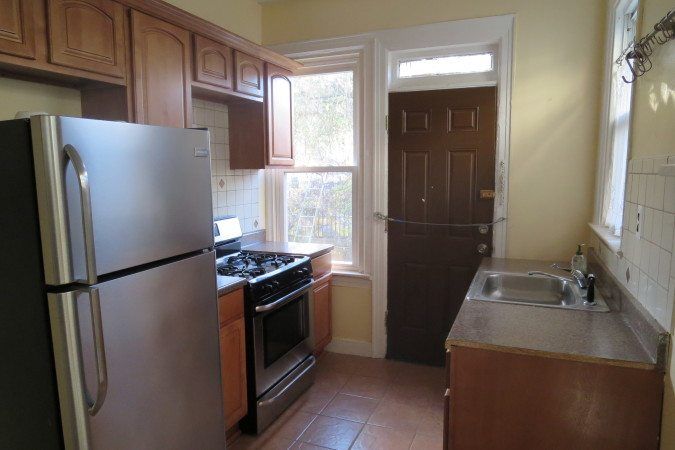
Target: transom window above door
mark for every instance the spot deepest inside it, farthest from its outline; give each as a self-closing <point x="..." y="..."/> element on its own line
<point x="446" y="65"/>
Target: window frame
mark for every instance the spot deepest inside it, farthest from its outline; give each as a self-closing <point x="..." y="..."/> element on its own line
<point x="615" y="45"/>
<point x="349" y="62"/>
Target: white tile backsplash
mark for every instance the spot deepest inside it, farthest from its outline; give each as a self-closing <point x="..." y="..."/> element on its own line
<point x="234" y="191"/>
<point x="646" y="263"/>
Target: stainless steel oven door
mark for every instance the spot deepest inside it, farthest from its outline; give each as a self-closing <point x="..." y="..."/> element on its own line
<point x="280" y="337"/>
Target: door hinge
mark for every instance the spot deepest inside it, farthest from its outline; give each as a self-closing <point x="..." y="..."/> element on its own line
<point x="386" y="320"/>
<point x="386" y="123"/>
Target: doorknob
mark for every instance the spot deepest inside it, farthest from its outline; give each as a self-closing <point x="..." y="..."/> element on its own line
<point x="482" y="249"/>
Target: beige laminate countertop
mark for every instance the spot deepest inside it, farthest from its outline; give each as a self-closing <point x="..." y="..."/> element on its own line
<point x="605" y="337"/>
<point x="228" y="284"/>
<point x="291" y="248"/>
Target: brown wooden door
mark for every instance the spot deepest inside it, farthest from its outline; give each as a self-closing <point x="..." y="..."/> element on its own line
<point x="279" y="116"/>
<point x="213" y="62"/>
<point x="87" y="35"/>
<point x="322" y="314"/>
<point x="17" y="31"/>
<point x="249" y="75"/>
<point x="441" y="155"/>
<point x="233" y="371"/>
<point x="161" y="55"/>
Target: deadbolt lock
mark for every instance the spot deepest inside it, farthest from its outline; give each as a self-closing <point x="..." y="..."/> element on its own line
<point x="482" y="249"/>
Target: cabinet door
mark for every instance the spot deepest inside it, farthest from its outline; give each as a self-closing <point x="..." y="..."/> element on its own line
<point x="213" y="62"/>
<point x="279" y="117"/>
<point x="87" y="35"/>
<point x="161" y="55"/>
<point x="17" y="31"/>
<point x="248" y="77"/>
<point x="233" y="371"/>
<point x="322" y="314"/>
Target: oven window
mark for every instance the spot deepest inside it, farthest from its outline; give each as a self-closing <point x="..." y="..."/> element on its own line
<point x="283" y="329"/>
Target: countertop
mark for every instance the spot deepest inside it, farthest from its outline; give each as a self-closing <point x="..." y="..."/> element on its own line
<point x="605" y="337"/>
<point x="291" y="248"/>
<point x="228" y="284"/>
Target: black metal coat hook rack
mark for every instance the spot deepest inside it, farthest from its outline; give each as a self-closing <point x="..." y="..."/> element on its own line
<point x="636" y="56"/>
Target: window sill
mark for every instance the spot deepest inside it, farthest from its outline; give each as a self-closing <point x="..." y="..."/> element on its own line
<point x="350" y="278"/>
<point x="607" y="237"/>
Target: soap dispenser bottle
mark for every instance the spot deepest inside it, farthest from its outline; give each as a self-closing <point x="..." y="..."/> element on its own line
<point x="579" y="261"/>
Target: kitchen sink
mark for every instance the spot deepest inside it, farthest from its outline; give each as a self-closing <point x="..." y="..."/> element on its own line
<point x="535" y="290"/>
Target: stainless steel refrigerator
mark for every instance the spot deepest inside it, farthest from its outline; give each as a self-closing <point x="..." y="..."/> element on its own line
<point x="109" y="308"/>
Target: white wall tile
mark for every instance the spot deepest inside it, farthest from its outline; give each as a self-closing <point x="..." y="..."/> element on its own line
<point x="667" y="230"/>
<point x="664" y="268"/>
<point x="669" y="195"/>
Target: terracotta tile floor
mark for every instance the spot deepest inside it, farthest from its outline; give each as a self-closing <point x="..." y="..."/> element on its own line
<point x="361" y="403"/>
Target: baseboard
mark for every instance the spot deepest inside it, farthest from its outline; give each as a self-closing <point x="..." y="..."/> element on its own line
<point x="350" y="347"/>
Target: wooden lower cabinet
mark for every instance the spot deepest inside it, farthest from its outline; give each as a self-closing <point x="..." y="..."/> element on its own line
<point x="233" y="356"/>
<point x="323" y="332"/>
<point x="503" y="400"/>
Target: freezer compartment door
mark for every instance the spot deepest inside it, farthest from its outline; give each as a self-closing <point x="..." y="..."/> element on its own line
<point x="114" y="195"/>
<point x="137" y="360"/>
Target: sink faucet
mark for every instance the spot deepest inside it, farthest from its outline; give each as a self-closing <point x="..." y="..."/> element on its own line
<point x="585" y="283"/>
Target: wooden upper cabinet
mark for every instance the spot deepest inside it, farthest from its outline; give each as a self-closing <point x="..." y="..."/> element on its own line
<point x="279" y="116"/>
<point x="249" y="74"/>
<point x="161" y="58"/>
<point x="87" y="35"/>
<point x="213" y="62"/>
<point x="17" y="30"/>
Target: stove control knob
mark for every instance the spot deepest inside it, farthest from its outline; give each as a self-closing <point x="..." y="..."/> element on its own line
<point x="268" y="288"/>
<point x="275" y="284"/>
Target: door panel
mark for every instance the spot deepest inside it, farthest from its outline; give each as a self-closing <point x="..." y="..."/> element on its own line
<point x="248" y="77"/>
<point x="233" y="371"/>
<point x="160" y="339"/>
<point x="150" y="194"/>
<point x="279" y="116"/>
<point x="161" y="55"/>
<point x="441" y="153"/>
<point x="87" y="34"/>
<point x="213" y="62"/>
<point x="17" y="32"/>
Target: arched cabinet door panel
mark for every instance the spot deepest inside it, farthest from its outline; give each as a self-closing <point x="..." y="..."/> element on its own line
<point x="249" y="75"/>
<point x="17" y="31"/>
<point x="87" y="35"/>
<point x="212" y="62"/>
<point x="279" y="103"/>
<point x="161" y="57"/>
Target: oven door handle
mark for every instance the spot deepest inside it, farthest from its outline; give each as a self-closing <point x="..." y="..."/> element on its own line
<point x="283" y="300"/>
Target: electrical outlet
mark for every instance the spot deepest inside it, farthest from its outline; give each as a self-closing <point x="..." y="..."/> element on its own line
<point x="639" y="220"/>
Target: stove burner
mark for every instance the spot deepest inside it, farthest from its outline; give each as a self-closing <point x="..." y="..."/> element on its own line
<point x="251" y="265"/>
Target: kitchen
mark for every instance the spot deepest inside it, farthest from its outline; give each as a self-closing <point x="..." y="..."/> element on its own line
<point x="297" y="133"/>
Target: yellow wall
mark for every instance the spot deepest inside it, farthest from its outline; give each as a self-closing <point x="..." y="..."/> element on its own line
<point x="352" y="313"/>
<point x="18" y="95"/>
<point x="242" y="17"/>
<point x="555" y="102"/>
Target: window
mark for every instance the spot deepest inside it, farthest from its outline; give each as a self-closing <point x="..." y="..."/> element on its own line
<point x="618" y="122"/>
<point x="319" y="195"/>
<point x="446" y="65"/>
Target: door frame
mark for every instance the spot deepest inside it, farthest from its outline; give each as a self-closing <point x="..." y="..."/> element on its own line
<point x="379" y="48"/>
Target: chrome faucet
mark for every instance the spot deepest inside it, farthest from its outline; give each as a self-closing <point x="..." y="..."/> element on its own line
<point x="586" y="284"/>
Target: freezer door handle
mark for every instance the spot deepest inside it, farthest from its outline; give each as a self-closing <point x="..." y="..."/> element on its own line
<point x="87" y="221"/>
<point x="99" y="350"/>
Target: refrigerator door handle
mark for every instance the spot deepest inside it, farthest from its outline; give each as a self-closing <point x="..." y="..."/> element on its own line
<point x="87" y="221"/>
<point x="99" y="350"/>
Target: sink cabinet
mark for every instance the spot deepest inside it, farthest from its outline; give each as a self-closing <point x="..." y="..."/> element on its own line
<point x="507" y="400"/>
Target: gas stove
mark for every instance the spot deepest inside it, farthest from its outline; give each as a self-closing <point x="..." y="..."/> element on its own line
<point x="252" y="265"/>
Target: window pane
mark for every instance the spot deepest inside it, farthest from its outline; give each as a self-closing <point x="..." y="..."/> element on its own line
<point x="320" y="210"/>
<point x="446" y="65"/>
<point x="323" y="119"/>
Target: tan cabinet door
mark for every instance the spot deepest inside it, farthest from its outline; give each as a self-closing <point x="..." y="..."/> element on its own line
<point x="279" y="117"/>
<point x="233" y="371"/>
<point x="87" y="35"/>
<point x="249" y="74"/>
<point x="161" y="56"/>
<point x="17" y="32"/>
<point x="322" y="314"/>
<point x="213" y="62"/>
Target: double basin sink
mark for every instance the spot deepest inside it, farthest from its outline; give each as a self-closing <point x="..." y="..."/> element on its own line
<point x="537" y="290"/>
